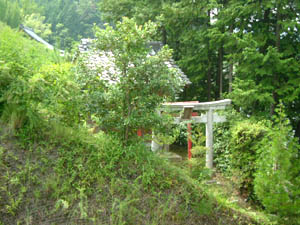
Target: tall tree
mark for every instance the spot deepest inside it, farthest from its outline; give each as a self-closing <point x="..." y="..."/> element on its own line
<point x="137" y="82"/>
<point x="70" y="20"/>
<point x="256" y="41"/>
<point x="36" y="22"/>
<point x="268" y="45"/>
<point x="10" y="13"/>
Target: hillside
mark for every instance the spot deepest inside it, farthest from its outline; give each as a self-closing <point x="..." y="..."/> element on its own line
<point x="55" y="170"/>
<point x="55" y="173"/>
<point x="72" y="177"/>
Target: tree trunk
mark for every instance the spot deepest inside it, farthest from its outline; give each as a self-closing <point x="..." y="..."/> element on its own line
<point x="277" y="44"/>
<point x="164" y="36"/>
<point x="230" y="75"/>
<point x="297" y="132"/>
<point x="278" y="27"/>
<point x="221" y="56"/>
<point x="126" y="135"/>
<point x="126" y="106"/>
<point x="266" y="21"/>
<point x="209" y="61"/>
<point x="208" y="75"/>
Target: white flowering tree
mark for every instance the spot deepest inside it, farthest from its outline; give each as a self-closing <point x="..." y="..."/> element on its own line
<point x="136" y="81"/>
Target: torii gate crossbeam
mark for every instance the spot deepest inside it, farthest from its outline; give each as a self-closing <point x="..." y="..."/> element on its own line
<point x="209" y="118"/>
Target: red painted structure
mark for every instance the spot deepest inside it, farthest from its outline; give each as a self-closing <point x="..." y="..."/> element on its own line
<point x="189" y="126"/>
<point x="190" y="144"/>
<point x="139" y="132"/>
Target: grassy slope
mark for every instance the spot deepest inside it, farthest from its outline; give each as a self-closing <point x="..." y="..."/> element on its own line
<point x="50" y="174"/>
<point x="69" y="177"/>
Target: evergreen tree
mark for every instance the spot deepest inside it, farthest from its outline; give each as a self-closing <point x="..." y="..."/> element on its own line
<point x="10" y="13"/>
<point x="277" y="178"/>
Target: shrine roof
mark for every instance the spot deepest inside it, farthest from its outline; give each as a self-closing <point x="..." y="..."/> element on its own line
<point x="30" y="32"/>
<point x="96" y="59"/>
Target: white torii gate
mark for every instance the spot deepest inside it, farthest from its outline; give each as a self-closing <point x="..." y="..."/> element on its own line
<point x="208" y="118"/>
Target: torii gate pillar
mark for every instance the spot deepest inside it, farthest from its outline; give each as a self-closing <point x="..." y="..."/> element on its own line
<point x="209" y="139"/>
<point x="208" y="118"/>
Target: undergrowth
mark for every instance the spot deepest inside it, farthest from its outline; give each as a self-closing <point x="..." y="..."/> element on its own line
<point x="69" y="176"/>
<point x="54" y="171"/>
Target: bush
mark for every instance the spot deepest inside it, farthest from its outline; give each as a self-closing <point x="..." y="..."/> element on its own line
<point x="237" y="149"/>
<point x="245" y="143"/>
<point x="61" y="97"/>
<point x="222" y="153"/>
<point x="262" y="158"/>
<point x="33" y="86"/>
<point x="223" y="140"/>
<point x="277" y="180"/>
<point x="20" y="59"/>
<point x="198" y="169"/>
<point x="139" y="81"/>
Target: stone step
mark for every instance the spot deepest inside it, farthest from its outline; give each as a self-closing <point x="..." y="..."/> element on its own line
<point x="170" y="156"/>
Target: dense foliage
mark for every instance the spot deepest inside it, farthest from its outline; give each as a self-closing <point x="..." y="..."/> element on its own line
<point x="262" y="160"/>
<point x="18" y="63"/>
<point x="59" y="22"/>
<point x="54" y="171"/>
<point x="245" y="148"/>
<point x="245" y="50"/>
<point x="277" y="178"/>
<point x="250" y="49"/>
<point x="33" y="84"/>
<point x="135" y="84"/>
<point x="10" y="13"/>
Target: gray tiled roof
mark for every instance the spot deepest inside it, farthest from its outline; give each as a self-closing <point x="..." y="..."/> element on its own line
<point x="33" y="35"/>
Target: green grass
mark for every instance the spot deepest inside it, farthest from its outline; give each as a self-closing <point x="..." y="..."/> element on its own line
<point x="53" y="174"/>
<point x="227" y="195"/>
<point x="72" y="177"/>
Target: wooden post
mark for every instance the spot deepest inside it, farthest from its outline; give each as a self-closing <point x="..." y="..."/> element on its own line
<point x="209" y="139"/>
<point x="189" y="128"/>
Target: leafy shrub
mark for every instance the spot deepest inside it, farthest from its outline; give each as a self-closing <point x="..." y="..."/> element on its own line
<point x="19" y="60"/>
<point x="277" y="180"/>
<point x="244" y="144"/>
<point x="222" y="153"/>
<point x="198" y="168"/>
<point x="33" y="86"/>
<point x="10" y="13"/>
<point x="61" y="97"/>
<point x="141" y="81"/>
<point x="222" y="140"/>
<point x="262" y="158"/>
<point x="237" y="147"/>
